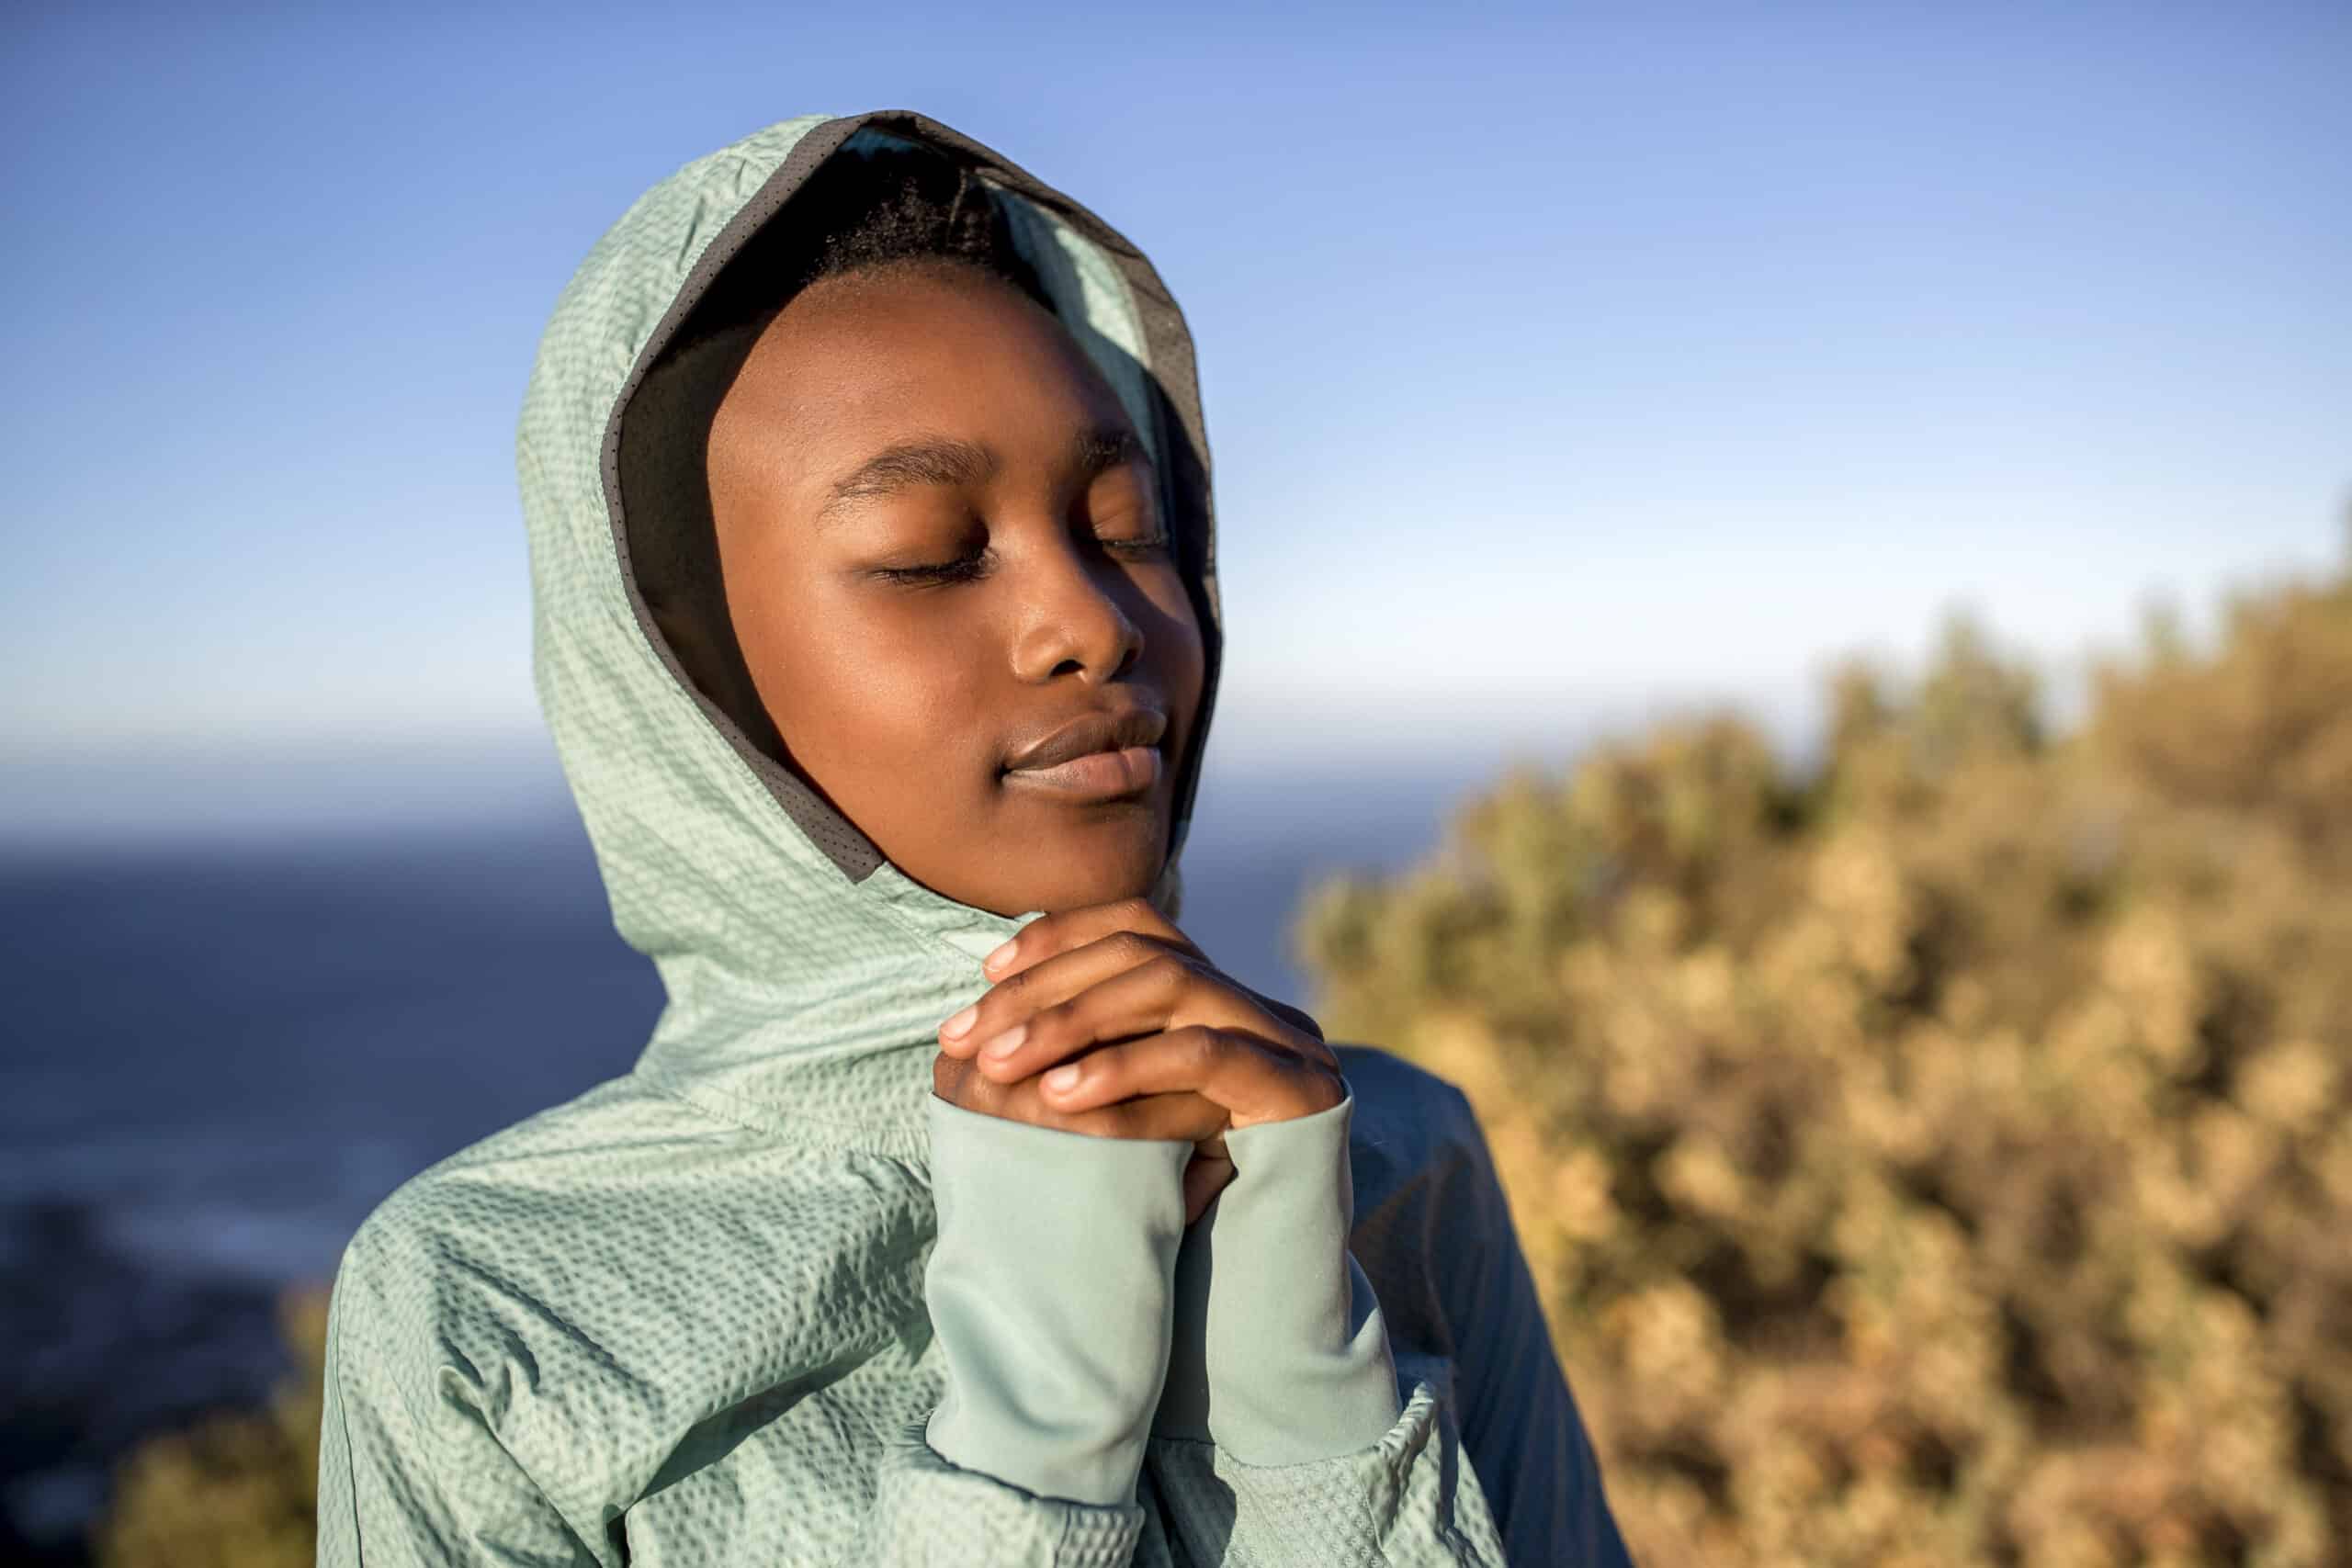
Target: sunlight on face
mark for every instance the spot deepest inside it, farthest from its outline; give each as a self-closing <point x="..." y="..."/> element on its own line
<point x="940" y="542"/>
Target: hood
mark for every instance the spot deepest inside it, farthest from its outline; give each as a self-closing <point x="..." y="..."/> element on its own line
<point x="806" y="975"/>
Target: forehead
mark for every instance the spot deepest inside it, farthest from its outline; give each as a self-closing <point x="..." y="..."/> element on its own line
<point x="863" y="360"/>
<point x="1122" y="322"/>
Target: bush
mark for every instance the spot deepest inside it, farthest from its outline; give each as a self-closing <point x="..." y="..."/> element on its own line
<point x="1939" y="1156"/>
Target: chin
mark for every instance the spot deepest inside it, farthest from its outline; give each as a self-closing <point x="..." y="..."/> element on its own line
<point x="1115" y="862"/>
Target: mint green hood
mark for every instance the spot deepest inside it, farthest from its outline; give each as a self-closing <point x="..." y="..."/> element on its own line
<point x="774" y="922"/>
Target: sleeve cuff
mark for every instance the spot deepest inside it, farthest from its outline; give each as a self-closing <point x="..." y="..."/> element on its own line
<point x="1049" y="1290"/>
<point x="1280" y="1355"/>
<point x="928" y="1510"/>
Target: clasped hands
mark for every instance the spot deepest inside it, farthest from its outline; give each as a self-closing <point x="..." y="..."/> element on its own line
<point x="1108" y="1021"/>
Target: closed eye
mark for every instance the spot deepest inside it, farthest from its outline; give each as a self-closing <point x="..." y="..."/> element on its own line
<point x="973" y="565"/>
<point x="963" y="569"/>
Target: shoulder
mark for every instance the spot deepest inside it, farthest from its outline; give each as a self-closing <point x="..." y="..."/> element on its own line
<point x="509" y="1195"/>
<point x="1380" y="1074"/>
<point x="624" y="1251"/>
<point x="516" y="1213"/>
<point x="1408" y="1122"/>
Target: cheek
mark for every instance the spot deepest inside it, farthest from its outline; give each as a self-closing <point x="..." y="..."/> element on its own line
<point x="896" y="694"/>
<point x="1183" y="660"/>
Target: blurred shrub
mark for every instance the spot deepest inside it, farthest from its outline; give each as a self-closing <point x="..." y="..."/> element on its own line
<point x="239" y="1491"/>
<point x="1939" y="1158"/>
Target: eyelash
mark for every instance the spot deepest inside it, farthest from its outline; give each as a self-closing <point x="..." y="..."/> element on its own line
<point x="965" y="568"/>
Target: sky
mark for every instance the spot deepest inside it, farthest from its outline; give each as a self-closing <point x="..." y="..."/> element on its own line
<point x="1562" y="365"/>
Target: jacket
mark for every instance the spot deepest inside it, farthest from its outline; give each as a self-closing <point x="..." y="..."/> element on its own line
<point x="765" y="1299"/>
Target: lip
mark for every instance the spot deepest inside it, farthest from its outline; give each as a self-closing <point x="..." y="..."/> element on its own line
<point x="1097" y="776"/>
<point x="1109" y="751"/>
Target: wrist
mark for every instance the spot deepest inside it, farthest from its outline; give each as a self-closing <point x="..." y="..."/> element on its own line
<point x="1280" y="1354"/>
<point x="1049" y="1289"/>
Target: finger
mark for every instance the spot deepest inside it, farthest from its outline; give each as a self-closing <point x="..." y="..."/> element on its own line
<point x="1013" y="999"/>
<point x="1254" y="1081"/>
<point x="1065" y="930"/>
<point x="1176" y="1116"/>
<point x="1161" y="993"/>
<point x="1164" y="991"/>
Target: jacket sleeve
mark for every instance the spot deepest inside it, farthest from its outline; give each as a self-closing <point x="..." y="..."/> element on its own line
<point x="1049" y="1290"/>
<point x="1287" y="1430"/>
<point x="1519" y="1423"/>
<point x="399" y="1488"/>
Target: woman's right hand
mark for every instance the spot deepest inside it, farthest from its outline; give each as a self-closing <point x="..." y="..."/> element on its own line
<point x="1185" y="1115"/>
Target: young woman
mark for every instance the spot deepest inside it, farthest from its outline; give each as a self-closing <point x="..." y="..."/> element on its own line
<point x="960" y="1209"/>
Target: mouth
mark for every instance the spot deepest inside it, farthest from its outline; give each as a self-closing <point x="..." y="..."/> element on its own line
<point x="1104" y="755"/>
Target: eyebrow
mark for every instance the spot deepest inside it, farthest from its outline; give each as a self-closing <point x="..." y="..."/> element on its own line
<point x="933" y="460"/>
<point x="943" y="460"/>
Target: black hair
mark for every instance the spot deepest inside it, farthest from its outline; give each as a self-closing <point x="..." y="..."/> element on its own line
<point x="861" y="212"/>
<point x="857" y="212"/>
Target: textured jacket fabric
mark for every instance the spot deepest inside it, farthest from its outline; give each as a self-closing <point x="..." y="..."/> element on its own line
<point x="767" y="1300"/>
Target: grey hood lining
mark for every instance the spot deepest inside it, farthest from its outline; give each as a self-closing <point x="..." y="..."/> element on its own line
<point x="1182" y="443"/>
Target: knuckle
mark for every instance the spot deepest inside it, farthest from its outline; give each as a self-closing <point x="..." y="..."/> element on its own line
<point x="1298" y="1018"/>
<point x="1133" y="948"/>
<point x="1050" y="1024"/>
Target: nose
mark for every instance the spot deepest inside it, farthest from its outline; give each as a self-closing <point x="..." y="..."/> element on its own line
<point x="1071" y="618"/>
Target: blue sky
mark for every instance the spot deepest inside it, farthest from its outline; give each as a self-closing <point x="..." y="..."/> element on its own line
<point x="1559" y="362"/>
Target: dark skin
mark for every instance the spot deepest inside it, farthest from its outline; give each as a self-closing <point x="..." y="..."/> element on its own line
<point x="940" y="539"/>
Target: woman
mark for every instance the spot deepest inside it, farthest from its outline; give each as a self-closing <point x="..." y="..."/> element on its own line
<point x="875" y="620"/>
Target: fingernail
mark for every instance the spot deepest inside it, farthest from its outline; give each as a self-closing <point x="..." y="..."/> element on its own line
<point x="1062" y="1078"/>
<point x="961" y="1022"/>
<point x="1006" y="1043"/>
<point x="1001" y="956"/>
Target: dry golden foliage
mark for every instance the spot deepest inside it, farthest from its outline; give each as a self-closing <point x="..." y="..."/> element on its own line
<point x="1939" y="1158"/>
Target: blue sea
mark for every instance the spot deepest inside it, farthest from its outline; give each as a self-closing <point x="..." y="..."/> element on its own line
<point x="223" y="1051"/>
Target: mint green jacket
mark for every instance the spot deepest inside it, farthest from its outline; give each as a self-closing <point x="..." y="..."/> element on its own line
<point x="767" y="1300"/>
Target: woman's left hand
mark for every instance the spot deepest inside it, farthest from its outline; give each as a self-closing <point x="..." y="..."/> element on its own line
<point x="1111" y="1001"/>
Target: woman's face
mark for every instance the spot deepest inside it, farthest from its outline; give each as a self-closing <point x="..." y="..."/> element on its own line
<point x="941" y="544"/>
